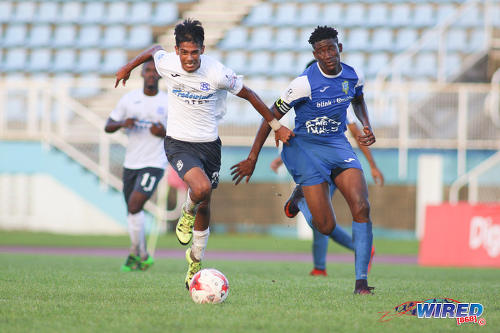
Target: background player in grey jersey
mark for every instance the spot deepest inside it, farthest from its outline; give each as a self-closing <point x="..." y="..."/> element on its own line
<point x="196" y="86"/>
<point x="143" y="114"/>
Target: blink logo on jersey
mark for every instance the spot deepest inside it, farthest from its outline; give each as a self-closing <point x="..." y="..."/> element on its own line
<point x="338" y="100"/>
<point x="463" y="312"/>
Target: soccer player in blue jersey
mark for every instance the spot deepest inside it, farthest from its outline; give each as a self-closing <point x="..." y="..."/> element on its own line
<point x="320" y="155"/>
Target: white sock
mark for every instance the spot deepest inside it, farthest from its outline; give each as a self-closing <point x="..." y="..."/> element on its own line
<point x="137" y="233"/>
<point x="190" y="206"/>
<point x="200" y="240"/>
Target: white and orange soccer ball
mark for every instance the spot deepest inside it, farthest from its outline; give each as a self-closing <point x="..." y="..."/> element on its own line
<point x="209" y="286"/>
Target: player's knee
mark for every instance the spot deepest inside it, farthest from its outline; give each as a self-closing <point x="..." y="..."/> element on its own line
<point x="361" y="210"/>
<point x="325" y="227"/>
<point x="134" y="207"/>
<point x="201" y="191"/>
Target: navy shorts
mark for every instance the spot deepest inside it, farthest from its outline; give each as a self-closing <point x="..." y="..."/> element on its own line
<point x="314" y="160"/>
<point x="183" y="156"/>
<point x="142" y="180"/>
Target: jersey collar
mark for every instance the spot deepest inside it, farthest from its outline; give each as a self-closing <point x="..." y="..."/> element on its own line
<point x="330" y="76"/>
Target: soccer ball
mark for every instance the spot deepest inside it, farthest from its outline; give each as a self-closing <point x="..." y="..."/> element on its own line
<point x="209" y="286"/>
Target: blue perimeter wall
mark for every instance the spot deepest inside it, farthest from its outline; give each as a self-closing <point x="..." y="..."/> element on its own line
<point x="29" y="157"/>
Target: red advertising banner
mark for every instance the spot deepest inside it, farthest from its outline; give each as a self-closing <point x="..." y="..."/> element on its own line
<point x="461" y="235"/>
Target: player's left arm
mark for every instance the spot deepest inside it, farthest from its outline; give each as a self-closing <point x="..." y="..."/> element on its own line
<point x="281" y="133"/>
<point x="377" y="175"/>
<point x="360" y="110"/>
<point x="123" y="73"/>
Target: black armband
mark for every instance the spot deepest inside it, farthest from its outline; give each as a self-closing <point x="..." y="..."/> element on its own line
<point x="282" y="106"/>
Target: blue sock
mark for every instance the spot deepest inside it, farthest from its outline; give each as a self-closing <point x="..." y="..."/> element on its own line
<point x="362" y="238"/>
<point x="320" y="247"/>
<point x="340" y="236"/>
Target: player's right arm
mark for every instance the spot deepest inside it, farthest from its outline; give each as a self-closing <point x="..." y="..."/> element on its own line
<point x="113" y="125"/>
<point x="146" y="55"/>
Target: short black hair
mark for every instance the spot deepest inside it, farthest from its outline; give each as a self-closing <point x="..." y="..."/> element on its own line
<point x="322" y="33"/>
<point x="189" y="31"/>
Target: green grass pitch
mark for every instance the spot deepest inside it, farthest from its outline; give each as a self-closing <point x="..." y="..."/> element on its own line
<point x="41" y="293"/>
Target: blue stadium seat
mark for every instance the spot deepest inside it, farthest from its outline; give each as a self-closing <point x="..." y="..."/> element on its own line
<point x="456" y="40"/>
<point x="71" y="12"/>
<point x="64" y="36"/>
<point x="473" y="17"/>
<point x="308" y="14"/>
<point x="405" y="38"/>
<point x="303" y="40"/>
<point x="444" y="11"/>
<point x="283" y="64"/>
<point x="237" y="61"/>
<point x="64" y="61"/>
<point x="140" y="13"/>
<point x="86" y="86"/>
<point x="25" y="12"/>
<point x="285" y="39"/>
<point x="15" y="60"/>
<point x="400" y="15"/>
<point x="40" y="60"/>
<point x="88" y="61"/>
<point x="286" y="14"/>
<point x="140" y="37"/>
<point x="47" y="12"/>
<point x="261" y="38"/>
<point x="261" y="14"/>
<point x="376" y="62"/>
<point x="382" y="39"/>
<point x="424" y="16"/>
<point x="15" y="35"/>
<point x="259" y="63"/>
<point x="93" y="12"/>
<point x="89" y="36"/>
<point x="431" y="44"/>
<point x="5" y="11"/>
<point x="302" y="60"/>
<point x="165" y="13"/>
<point x="377" y="15"/>
<point x="355" y="59"/>
<point x="40" y="35"/>
<point x="476" y="40"/>
<point x="114" y="36"/>
<point x="495" y="16"/>
<point x="236" y="38"/>
<point x="354" y="15"/>
<point x="113" y="60"/>
<point x="426" y="65"/>
<point x="357" y="40"/>
<point x="331" y="14"/>
<point x="117" y="13"/>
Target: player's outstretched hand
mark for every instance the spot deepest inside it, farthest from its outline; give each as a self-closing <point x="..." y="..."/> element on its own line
<point x="378" y="177"/>
<point x="276" y="163"/>
<point x="157" y="129"/>
<point x="283" y="134"/>
<point x="122" y="74"/>
<point x="368" y="138"/>
<point x="243" y="169"/>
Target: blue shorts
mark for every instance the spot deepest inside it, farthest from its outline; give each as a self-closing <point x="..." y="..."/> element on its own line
<point x="310" y="160"/>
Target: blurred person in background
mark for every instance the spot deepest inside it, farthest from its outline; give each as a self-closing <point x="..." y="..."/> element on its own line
<point x="197" y="88"/>
<point x="143" y="115"/>
<point x="320" y="155"/>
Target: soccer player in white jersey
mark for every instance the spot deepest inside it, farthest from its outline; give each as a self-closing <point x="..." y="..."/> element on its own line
<point x="143" y="115"/>
<point x="197" y="86"/>
<point x="320" y="155"/>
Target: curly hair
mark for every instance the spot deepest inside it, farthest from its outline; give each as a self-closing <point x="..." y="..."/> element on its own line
<point x="322" y="33"/>
<point x="189" y="31"/>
